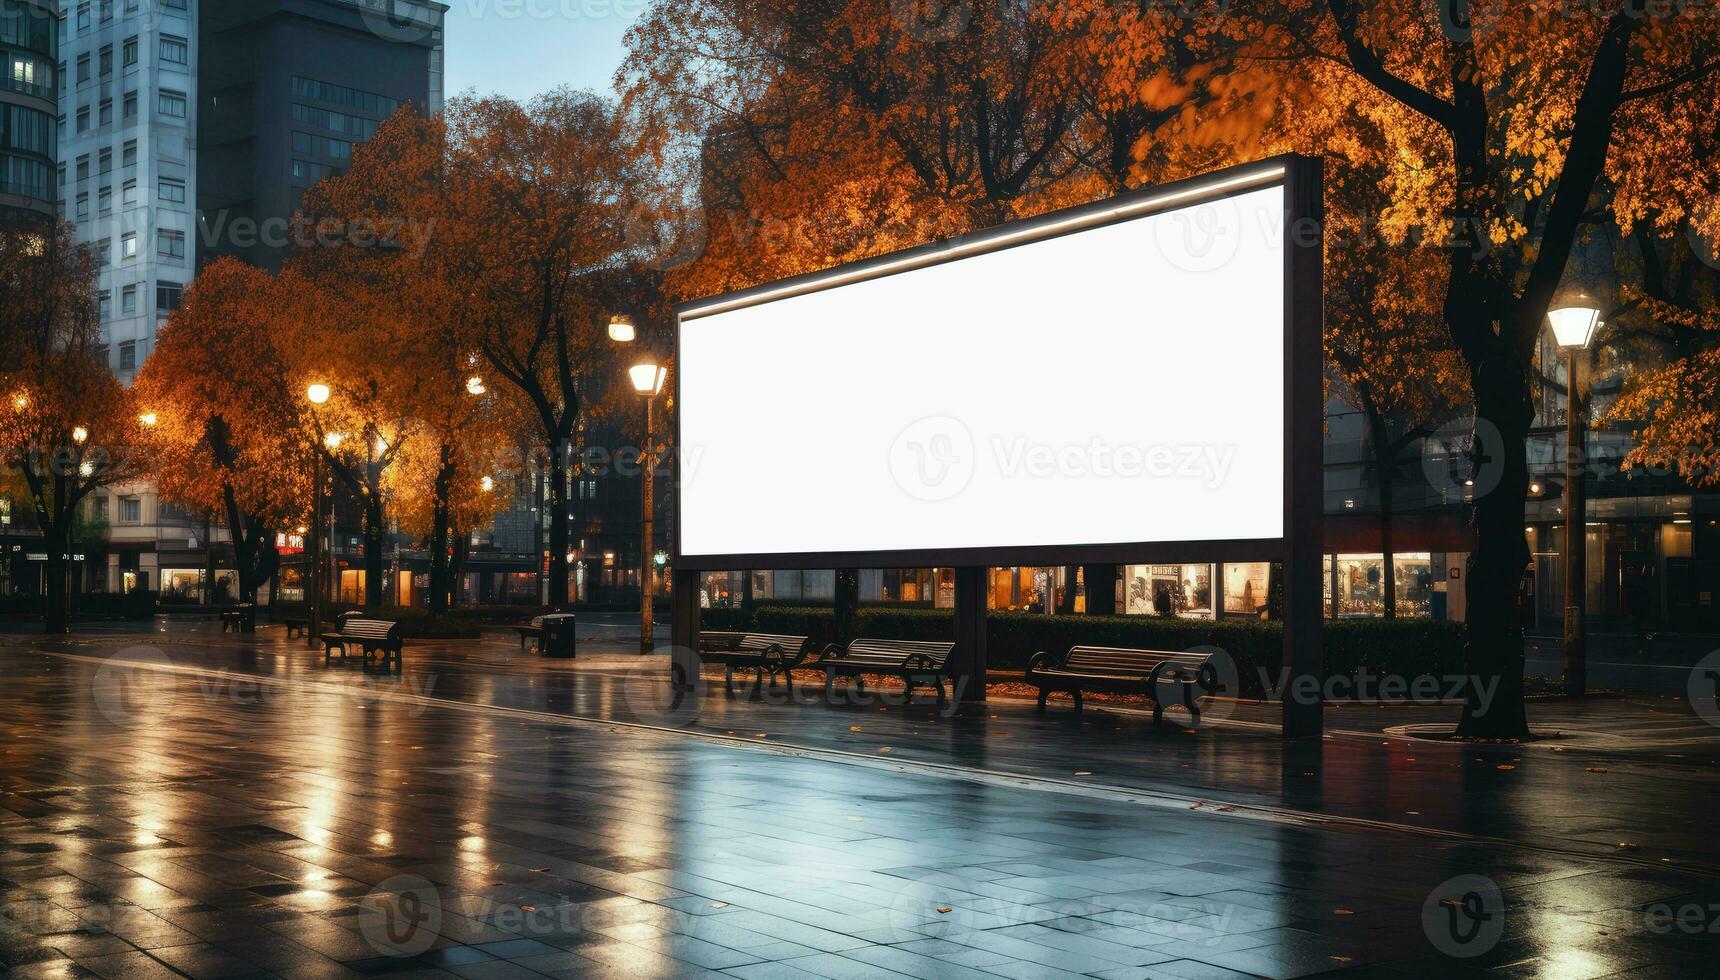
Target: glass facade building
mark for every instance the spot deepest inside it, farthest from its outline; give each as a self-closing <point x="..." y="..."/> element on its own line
<point x="29" y="106"/>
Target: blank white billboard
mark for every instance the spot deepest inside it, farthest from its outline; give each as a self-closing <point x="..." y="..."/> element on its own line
<point x="1118" y="384"/>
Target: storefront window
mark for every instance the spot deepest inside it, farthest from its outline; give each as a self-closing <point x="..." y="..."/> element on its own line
<point x="1168" y="590"/>
<point x="1246" y="585"/>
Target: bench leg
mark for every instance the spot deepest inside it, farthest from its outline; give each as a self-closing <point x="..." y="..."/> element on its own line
<point x="1042" y="693"/>
<point x="729" y="678"/>
<point x="908" y="690"/>
<point x="942" y="697"/>
<point x="829" y="685"/>
<point x="1190" y="704"/>
<point x="1077" y="693"/>
<point x="788" y="679"/>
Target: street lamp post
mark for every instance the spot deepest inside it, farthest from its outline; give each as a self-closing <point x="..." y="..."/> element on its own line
<point x="1574" y="329"/>
<point x="648" y="380"/>
<point x="316" y="394"/>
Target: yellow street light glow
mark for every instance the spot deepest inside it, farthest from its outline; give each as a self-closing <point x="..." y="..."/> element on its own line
<point x="318" y="394"/>
<point x="648" y="378"/>
<point x="1574" y="325"/>
<point x="148" y="419"/>
<point x="487" y="483"/>
<point x="333" y="440"/>
<point x="80" y="434"/>
<point x="86" y="469"/>
<point x="475" y="385"/>
<point x="20" y="402"/>
<point x="621" y="329"/>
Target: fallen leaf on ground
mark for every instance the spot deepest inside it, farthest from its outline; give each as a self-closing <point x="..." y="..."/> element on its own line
<point x="1596" y="769"/>
<point x="943" y="908"/>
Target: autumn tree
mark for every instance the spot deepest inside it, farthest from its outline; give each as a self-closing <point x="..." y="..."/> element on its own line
<point x="1499" y="123"/>
<point x="223" y="424"/>
<point x="1386" y="345"/>
<point x="66" y="428"/>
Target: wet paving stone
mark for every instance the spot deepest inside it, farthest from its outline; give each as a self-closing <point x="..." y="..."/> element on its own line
<point x="213" y="807"/>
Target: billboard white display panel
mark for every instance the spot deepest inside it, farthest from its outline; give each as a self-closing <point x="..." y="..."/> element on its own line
<point x="1118" y="379"/>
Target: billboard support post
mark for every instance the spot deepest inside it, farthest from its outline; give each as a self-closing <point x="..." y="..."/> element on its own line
<point x="969" y="675"/>
<point x="1304" y="474"/>
<point x="684" y="629"/>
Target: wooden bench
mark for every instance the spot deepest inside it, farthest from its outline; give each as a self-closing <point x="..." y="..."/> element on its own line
<point x="369" y="635"/>
<point x="532" y="631"/>
<point x="1119" y="670"/>
<point x="241" y="618"/>
<point x="916" y="662"/>
<point x="769" y="654"/>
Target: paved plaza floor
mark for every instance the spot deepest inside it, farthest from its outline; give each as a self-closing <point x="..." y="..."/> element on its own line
<point x="182" y="802"/>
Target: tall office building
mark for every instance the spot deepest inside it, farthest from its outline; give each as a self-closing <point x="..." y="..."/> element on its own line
<point x="29" y="92"/>
<point x="178" y="117"/>
<point x="289" y="86"/>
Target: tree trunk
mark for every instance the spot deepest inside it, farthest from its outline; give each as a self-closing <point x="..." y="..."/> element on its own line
<point x="439" y="533"/>
<point x="1385" y="467"/>
<point x="254" y="554"/>
<point x="56" y="614"/>
<point x="1492" y="599"/>
<point x="558" y="527"/>
<point x="460" y="542"/>
<point x="847" y="603"/>
<point x="373" y="535"/>
<point x="1101" y="589"/>
<point x="439" y="559"/>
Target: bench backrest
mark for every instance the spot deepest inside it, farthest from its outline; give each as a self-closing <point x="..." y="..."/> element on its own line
<point x="537" y="622"/>
<point x="789" y="643"/>
<point x="1123" y="660"/>
<point x="369" y="629"/>
<point x="892" y="652"/>
<point x="719" y="639"/>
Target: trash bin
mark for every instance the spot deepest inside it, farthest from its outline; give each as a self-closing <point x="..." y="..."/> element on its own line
<point x="557" y="639"/>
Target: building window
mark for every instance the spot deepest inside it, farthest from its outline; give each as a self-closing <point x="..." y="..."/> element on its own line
<point x="128" y="300"/>
<point x="106" y="60"/>
<point x="128" y="193"/>
<point x="84" y="119"/>
<point x="171" y="104"/>
<point x="83" y="68"/>
<point x="128" y="356"/>
<point x="84" y="167"/>
<point x="128" y="155"/>
<point x="167" y="296"/>
<point x="173" y="49"/>
<point x="106" y="116"/>
<point x="83" y="206"/>
<point x="83" y="17"/>
<point x="104" y="200"/>
<point x="131" y="510"/>
<point x="103" y="252"/>
<point x="128" y="56"/>
<point x="105" y="161"/>
<point x="128" y="245"/>
<point x="170" y="243"/>
<point x="129" y="109"/>
<point x="173" y="191"/>
<point x="104" y="304"/>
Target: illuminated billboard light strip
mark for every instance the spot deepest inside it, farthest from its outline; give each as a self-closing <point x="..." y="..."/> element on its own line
<point x="989" y="242"/>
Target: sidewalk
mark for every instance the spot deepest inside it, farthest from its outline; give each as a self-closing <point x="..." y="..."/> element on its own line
<point x="1583" y="793"/>
<point x="187" y="803"/>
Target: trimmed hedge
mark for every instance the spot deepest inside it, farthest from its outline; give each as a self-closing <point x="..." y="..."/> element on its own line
<point x="1401" y="647"/>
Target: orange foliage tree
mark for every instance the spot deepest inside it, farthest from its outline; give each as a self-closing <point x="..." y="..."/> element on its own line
<point x="66" y="428"/>
<point x="223" y="425"/>
<point x="1503" y="133"/>
<point x="526" y="213"/>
